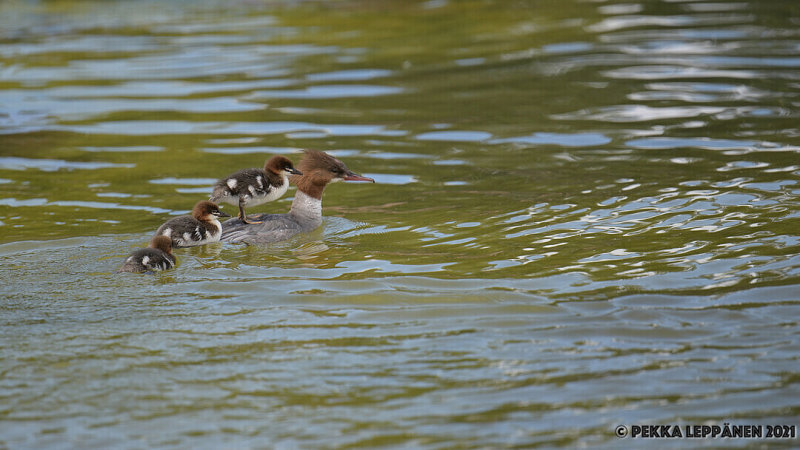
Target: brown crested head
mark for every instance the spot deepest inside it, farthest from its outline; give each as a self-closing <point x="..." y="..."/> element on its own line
<point x="319" y="169"/>
<point x="203" y="209"/>
<point x="280" y="165"/>
<point x="161" y="242"/>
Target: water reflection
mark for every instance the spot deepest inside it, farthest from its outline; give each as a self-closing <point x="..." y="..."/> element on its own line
<point x="566" y="140"/>
<point x="292" y="129"/>
<point x="53" y="165"/>
<point x="329" y="91"/>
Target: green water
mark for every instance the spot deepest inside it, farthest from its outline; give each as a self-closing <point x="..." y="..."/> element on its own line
<point x="585" y="216"/>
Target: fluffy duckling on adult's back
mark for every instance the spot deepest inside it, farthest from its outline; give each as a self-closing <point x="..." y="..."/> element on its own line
<point x="152" y="259"/>
<point x="202" y="227"/>
<point x="319" y="169"/>
<point x="251" y="187"/>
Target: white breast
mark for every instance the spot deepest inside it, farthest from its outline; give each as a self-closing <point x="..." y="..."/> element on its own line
<point x="274" y="193"/>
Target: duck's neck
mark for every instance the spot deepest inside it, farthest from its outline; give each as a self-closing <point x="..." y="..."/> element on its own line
<point x="307" y="210"/>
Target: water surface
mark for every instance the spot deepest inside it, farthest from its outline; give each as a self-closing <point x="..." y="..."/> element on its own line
<point x="585" y="216"/>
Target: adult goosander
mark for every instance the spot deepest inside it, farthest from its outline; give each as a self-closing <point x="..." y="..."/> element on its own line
<point x="255" y="186"/>
<point x="202" y="227"/>
<point x="318" y="170"/>
<point x="154" y="258"/>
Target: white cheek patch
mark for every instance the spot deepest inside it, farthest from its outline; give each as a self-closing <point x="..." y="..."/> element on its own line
<point x="231" y="183"/>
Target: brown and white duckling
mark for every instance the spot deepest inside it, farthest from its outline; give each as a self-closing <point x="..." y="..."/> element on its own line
<point x="202" y="227"/>
<point x="251" y="187"/>
<point x="152" y="259"/>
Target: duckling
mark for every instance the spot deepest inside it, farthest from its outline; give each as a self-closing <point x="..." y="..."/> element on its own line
<point x="152" y="259"/>
<point x="255" y="186"/>
<point x="202" y="227"/>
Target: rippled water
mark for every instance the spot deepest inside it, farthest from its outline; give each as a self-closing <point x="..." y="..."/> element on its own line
<point x="585" y="216"/>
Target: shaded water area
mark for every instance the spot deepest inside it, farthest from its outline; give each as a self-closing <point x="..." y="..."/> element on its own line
<point x="585" y="216"/>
